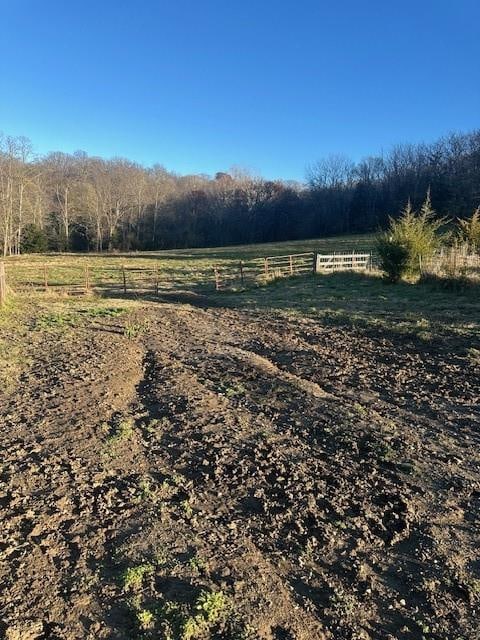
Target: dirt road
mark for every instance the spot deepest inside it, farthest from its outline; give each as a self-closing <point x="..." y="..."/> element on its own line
<point x="318" y="482"/>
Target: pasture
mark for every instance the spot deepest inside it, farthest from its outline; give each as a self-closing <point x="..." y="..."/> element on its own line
<point x="296" y="460"/>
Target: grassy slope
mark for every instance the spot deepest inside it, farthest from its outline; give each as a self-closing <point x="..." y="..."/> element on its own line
<point x="177" y="269"/>
<point x="209" y="255"/>
<point x="366" y="300"/>
<point x="340" y="298"/>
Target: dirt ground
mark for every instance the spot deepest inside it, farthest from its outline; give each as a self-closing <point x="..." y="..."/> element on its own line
<point x="223" y="473"/>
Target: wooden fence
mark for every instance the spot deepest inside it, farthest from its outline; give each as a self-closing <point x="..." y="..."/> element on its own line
<point x="261" y="270"/>
<point x="344" y="262"/>
<point x="84" y="276"/>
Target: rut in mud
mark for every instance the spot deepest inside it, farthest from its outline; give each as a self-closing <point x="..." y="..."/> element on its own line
<point x="324" y="480"/>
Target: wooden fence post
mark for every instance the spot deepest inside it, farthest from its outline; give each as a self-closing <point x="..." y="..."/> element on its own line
<point x="87" y="278"/>
<point x="265" y="266"/>
<point x="156" y="279"/>
<point x="3" y="284"/>
<point x="124" y="276"/>
<point x="314" y="268"/>
<point x="45" y="277"/>
<point x="242" y="279"/>
<point x="217" y="279"/>
<point x="290" y="260"/>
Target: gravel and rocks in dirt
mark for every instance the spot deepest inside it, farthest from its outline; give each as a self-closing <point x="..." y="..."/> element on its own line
<point x="221" y="473"/>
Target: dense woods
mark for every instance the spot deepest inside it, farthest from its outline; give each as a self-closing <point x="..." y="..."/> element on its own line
<point x="75" y="202"/>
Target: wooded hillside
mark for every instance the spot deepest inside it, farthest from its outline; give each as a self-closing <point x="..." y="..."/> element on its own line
<point x="77" y="202"/>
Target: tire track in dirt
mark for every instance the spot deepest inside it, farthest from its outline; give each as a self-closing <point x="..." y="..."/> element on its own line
<point x="57" y="497"/>
<point x="214" y="343"/>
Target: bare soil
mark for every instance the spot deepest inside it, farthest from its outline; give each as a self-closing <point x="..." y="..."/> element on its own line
<point x="324" y="479"/>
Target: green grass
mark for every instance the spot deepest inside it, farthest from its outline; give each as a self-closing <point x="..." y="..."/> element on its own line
<point x="182" y="269"/>
<point x="14" y="317"/>
<point x="339" y="298"/>
<point x="362" y="300"/>
<point x="234" y="252"/>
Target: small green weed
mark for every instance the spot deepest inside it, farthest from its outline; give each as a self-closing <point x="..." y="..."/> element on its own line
<point x="125" y="430"/>
<point x="197" y="563"/>
<point x="232" y="390"/>
<point x="145" y="490"/>
<point x="178" y="479"/>
<point x="192" y="628"/>
<point x="132" y="330"/>
<point x="103" y="312"/>
<point x="145" y="619"/>
<point x="162" y="558"/>
<point x="55" y="320"/>
<point x="133" y="577"/>
<point x="212" y="607"/>
<point x="360" y="409"/>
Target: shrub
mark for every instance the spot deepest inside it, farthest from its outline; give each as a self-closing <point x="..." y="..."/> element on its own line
<point x="409" y="239"/>
<point x="394" y="257"/>
<point x="469" y="228"/>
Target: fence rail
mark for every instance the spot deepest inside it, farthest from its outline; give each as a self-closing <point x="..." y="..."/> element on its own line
<point x="344" y="262"/>
<point x="261" y="270"/>
<point x="85" y="276"/>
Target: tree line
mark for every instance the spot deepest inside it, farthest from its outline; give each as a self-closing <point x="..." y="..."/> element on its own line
<point x="76" y="202"/>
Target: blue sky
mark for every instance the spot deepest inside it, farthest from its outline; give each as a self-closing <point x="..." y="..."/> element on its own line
<point x="269" y="85"/>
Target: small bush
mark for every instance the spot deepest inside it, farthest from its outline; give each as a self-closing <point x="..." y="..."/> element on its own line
<point x="411" y="238"/>
<point x="394" y="257"/>
<point x="469" y="228"/>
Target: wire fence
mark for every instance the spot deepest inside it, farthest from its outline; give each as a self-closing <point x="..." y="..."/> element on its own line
<point x="262" y="270"/>
<point x="84" y="275"/>
<point x="452" y="262"/>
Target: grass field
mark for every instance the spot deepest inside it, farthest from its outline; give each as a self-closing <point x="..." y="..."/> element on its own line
<point x="175" y="270"/>
<point x="231" y="253"/>
<point x="293" y="461"/>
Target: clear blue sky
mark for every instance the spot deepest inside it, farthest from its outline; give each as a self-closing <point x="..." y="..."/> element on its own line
<point x="271" y="85"/>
